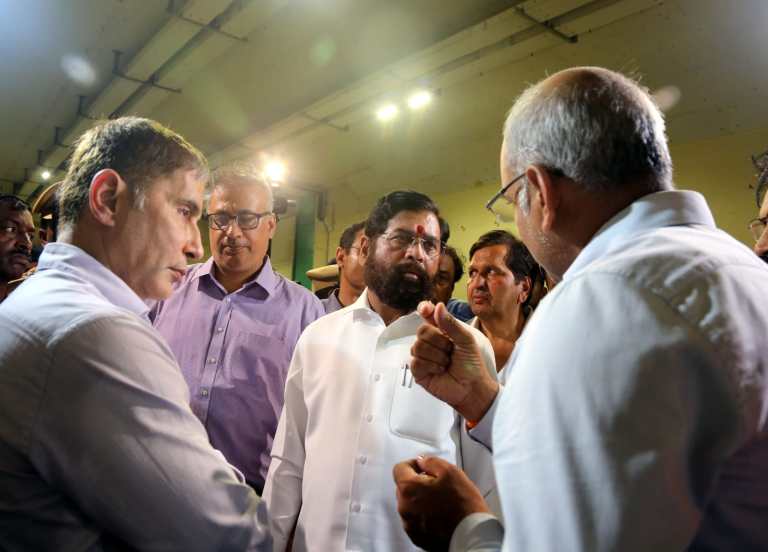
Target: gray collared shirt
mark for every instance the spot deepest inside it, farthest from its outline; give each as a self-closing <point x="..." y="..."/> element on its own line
<point x="97" y="441"/>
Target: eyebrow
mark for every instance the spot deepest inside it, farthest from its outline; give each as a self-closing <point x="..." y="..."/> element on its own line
<point x="192" y="205"/>
<point x="410" y="233"/>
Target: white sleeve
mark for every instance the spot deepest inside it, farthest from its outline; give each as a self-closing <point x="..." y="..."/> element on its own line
<point x="597" y="431"/>
<point x="282" y="490"/>
<point x="476" y="459"/>
<point x="477" y="533"/>
<point x="116" y="435"/>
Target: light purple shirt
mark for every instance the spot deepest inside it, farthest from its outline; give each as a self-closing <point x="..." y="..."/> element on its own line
<point x="98" y="441"/>
<point x="234" y="351"/>
<point x="332" y="303"/>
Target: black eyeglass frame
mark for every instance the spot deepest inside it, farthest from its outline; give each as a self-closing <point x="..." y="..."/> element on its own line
<point x="421" y="239"/>
<point x="763" y="221"/>
<point x="498" y="195"/>
<point x="209" y="218"/>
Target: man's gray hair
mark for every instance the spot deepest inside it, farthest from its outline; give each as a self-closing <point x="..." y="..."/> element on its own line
<point x="139" y="150"/>
<point x="242" y="174"/>
<point x="599" y="128"/>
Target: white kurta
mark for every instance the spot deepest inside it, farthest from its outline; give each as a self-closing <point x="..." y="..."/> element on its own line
<point x="352" y="411"/>
<point x="634" y="415"/>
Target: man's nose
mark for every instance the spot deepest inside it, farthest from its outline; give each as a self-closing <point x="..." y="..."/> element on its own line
<point x="233" y="229"/>
<point x="25" y="241"/>
<point x="193" y="249"/>
<point x="415" y="250"/>
<point x="761" y="246"/>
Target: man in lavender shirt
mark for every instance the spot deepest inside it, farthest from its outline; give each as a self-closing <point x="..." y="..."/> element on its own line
<point x="233" y="322"/>
<point x="99" y="449"/>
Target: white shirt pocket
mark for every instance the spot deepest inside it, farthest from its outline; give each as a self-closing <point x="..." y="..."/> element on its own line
<point x="417" y="415"/>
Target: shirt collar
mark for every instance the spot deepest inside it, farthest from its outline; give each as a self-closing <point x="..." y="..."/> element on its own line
<point x="266" y="279"/>
<point x="71" y="259"/>
<point x="362" y="307"/>
<point x="652" y="211"/>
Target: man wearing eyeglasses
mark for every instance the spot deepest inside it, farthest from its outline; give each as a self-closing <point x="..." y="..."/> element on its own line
<point x="233" y="322"/>
<point x="352" y="408"/>
<point x="634" y="415"/>
<point x="16" y="235"/>
<point x="350" y="267"/>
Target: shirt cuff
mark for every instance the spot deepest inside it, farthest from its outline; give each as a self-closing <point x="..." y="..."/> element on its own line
<point x="479" y="532"/>
<point x="482" y="432"/>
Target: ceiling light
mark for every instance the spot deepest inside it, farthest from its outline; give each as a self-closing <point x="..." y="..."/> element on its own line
<point x="387" y="112"/>
<point x="275" y="172"/>
<point x="46" y="175"/>
<point x="419" y="99"/>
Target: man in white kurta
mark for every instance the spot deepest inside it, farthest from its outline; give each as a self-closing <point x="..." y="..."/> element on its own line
<point x="634" y="415"/>
<point x="352" y="411"/>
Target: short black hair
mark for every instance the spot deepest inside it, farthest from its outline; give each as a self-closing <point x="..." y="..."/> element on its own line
<point x="458" y="264"/>
<point x="393" y="203"/>
<point x="348" y="235"/>
<point x="14" y="203"/>
<point x="518" y="259"/>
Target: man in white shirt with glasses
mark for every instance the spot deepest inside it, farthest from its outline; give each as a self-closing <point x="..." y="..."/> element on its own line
<point x="352" y="409"/>
<point x="634" y="414"/>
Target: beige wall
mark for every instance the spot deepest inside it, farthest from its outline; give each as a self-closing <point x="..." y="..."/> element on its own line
<point x="720" y="168"/>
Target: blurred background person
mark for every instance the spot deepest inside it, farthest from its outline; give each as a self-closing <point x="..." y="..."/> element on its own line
<point x="350" y="268"/>
<point x="17" y="233"/>
<point x="449" y="271"/>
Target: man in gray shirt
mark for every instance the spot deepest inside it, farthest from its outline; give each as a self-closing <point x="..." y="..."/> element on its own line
<point x="99" y="449"/>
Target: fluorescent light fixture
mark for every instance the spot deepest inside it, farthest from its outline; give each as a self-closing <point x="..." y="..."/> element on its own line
<point x="46" y="175"/>
<point x="419" y="99"/>
<point x="387" y="112"/>
<point x="275" y="172"/>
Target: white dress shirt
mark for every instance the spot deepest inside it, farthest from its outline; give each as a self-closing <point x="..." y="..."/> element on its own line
<point x="352" y="411"/>
<point x="98" y="446"/>
<point x="634" y="412"/>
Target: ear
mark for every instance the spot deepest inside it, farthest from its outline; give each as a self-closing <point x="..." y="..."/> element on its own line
<point x="271" y="226"/>
<point x="365" y="248"/>
<point x="544" y="194"/>
<point x="340" y="256"/>
<point x="106" y="187"/>
<point x="525" y="290"/>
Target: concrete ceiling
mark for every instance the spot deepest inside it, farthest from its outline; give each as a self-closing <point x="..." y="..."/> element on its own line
<point x="301" y="79"/>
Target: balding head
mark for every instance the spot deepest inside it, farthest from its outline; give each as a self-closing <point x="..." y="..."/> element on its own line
<point x="597" y="127"/>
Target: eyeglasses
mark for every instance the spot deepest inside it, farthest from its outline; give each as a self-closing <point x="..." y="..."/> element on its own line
<point x="504" y="210"/>
<point x="757" y="227"/>
<point x="403" y="239"/>
<point x="246" y="220"/>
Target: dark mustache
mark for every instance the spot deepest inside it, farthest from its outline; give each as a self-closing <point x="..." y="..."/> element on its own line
<point x="27" y="252"/>
<point x="416" y="268"/>
<point x="234" y="243"/>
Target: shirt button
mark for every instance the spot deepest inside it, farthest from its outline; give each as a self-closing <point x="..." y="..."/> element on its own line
<point x="369" y="417"/>
<point x="356" y="507"/>
<point x="376" y="377"/>
<point x="203" y="392"/>
<point x="211" y="360"/>
<point x="219" y="330"/>
<point x="363" y="459"/>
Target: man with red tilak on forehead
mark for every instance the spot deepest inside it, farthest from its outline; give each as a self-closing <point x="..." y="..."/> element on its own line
<point x="352" y="409"/>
